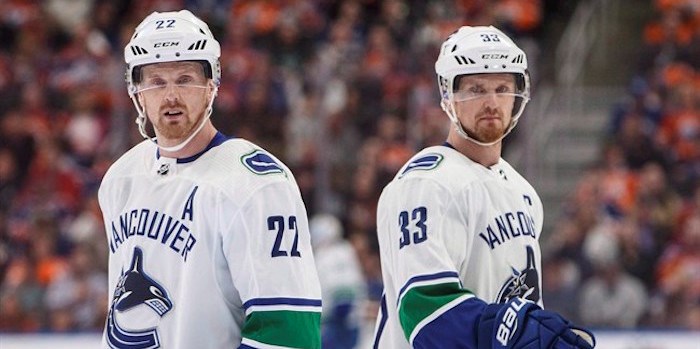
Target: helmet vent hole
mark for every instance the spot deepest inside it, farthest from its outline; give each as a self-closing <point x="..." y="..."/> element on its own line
<point x="454" y="48"/>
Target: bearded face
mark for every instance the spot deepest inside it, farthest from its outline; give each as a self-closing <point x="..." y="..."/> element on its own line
<point x="484" y="105"/>
<point x="175" y="96"/>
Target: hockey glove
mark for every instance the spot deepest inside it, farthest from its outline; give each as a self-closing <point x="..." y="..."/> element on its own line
<point x="521" y="324"/>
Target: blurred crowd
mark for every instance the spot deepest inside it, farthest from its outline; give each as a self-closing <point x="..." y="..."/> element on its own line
<point x="628" y="247"/>
<point x="344" y="92"/>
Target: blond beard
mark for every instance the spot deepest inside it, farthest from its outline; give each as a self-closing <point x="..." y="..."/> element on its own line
<point x="176" y="131"/>
<point x="489" y="134"/>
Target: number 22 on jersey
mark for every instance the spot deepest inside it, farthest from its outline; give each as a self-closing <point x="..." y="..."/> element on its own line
<point x="412" y="225"/>
<point x="277" y="224"/>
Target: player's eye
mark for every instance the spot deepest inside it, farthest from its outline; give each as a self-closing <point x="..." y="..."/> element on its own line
<point x="503" y="89"/>
<point x="155" y="83"/>
<point x="185" y="80"/>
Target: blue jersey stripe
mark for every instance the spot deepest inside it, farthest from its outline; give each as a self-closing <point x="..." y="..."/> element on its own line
<point x="382" y="323"/>
<point x="429" y="277"/>
<point x="455" y="328"/>
<point x="282" y="301"/>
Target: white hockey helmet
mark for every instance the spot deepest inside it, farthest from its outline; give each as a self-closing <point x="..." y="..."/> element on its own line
<point x="480" y="50"/>
<point x="169" y="37"/>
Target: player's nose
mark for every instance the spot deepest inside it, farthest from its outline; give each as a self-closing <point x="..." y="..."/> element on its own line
<point x="490" y="100"/>
<point x="171" y="93"/>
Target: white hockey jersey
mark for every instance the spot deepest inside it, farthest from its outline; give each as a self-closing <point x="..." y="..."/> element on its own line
<point x="211" y="251"/>
<point x="453" y="234"/>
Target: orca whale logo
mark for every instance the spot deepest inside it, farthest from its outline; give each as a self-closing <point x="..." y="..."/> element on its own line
<point x="135" y="288"/>
<point x="523" y="283"/>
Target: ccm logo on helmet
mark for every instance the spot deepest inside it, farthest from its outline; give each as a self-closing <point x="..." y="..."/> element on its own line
<point x="166" y="44"/>
<point x="508" y="325"/>
<point x="494" y="56"/>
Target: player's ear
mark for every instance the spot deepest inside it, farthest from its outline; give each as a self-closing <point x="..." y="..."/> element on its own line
<point x="211" y="87"/>
<point x="140" y="99"/>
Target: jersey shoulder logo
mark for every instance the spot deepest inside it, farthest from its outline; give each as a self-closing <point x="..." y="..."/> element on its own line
<point x="136" y="288"/>
<point x="261" y="163"/>
<point x="424" y="163"/>
<point x="523" y="283"/>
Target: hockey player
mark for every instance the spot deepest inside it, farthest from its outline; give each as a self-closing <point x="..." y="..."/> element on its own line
<point x="343" y="287"/>
<point x="208" y="237"/>
<point x="458" y="226"/>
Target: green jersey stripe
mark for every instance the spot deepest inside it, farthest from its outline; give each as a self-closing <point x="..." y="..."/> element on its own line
<point x="294" y="329"/>
<point x="445" y="308"/>
<point x="420" y="302"/>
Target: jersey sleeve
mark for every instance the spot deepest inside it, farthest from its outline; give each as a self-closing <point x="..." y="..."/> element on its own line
<point x="417" y="220"/>
<point x="269" y="253"/>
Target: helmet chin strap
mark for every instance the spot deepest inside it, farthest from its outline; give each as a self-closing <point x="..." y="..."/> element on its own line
<point x="141" y="120"/>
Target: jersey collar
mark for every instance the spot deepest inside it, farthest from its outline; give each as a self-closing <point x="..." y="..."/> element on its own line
<point x="217" y="140"/>
<point x="447" y="144"/>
